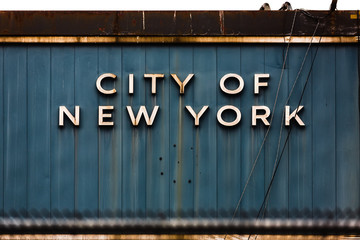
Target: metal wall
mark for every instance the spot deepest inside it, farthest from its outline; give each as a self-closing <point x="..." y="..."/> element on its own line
<point x="174" y="169"/>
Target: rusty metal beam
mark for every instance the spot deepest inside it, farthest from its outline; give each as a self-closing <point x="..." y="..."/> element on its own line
<point x="172" y="39"/>
<point x="175" y="23"/>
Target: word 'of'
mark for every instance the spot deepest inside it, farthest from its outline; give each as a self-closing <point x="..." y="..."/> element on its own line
<point x="149" y="120"/>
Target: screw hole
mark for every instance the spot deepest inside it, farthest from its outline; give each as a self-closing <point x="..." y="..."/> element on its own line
<point x="160" y="158"/>
<point x="174" y="181"/>
<point x="189" y="181"/>
<point x="162" y="173"/>
<point x="174" y="145"/>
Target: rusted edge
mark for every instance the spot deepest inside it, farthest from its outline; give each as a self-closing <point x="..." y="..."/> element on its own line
<point x="179" y="23"/>
<point x="180" y="39"/>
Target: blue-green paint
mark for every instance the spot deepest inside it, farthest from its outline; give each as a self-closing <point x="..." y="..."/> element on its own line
<point x="174" y="169"/>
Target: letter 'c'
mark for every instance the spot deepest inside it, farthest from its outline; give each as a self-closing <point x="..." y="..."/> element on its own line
<point x="98" y="83"/>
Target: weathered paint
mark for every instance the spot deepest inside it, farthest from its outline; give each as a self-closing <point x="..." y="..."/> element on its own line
<point x="179" y="39"/>
<point x="172" y="168"/>
<point x="175" y="23"/>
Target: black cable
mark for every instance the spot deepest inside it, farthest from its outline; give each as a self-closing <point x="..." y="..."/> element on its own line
<point x="288" y="135"/>
<point x="267" y="194"/>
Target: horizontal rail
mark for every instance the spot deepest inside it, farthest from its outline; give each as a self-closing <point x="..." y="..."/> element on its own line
<point x="226" y="226"/>
<point x="180" y="39"/>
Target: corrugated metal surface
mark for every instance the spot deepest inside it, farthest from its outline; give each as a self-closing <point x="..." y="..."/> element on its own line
<point x="174" y="169"/>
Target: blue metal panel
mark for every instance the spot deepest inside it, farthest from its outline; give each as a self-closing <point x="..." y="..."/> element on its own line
<point x="277" y="204"/>
<point x="172" y="168"/>
<point x="2" y="116"/>
<point x="86" y="136"/>
<point x="15" y="132"/>
<point x="252" y="61"/>
<point x="134" y="157"/>
<point x="62" y="142"/>
<point x="157" y="185"/>
<point x="323" y="121"/>
<point x="300" y="142"/>
<point x="110" y="138"/>
<point x="38" y="75"/>
<point x="205" y="135"/>
<point x="347" y="131"/>
<point x="181" y="158"/>
<point x="228" y="138"/>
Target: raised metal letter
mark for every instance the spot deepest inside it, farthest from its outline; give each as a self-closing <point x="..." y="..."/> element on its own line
<point x="257" y="83"/>
<point x="229" y="75"/>
<point x="289" y="116"/>
<point x="182" y="84"/>
<point x="75" y="120"/>
<point x="98" y="83"/>
<point x="103" y="115"/>
<point x="197" y="116"/>
<point x="262" y="117"/>
<point x="153" y="80"/>
<point x="142" y="111"/>
<point x="229" y="107"/>
<point x="131" y="83"/>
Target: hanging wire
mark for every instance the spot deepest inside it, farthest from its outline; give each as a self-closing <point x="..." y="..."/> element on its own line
<point x="270" y="124"/>
<point x="277" y="162"/>
<point x="271" y="120"/>
<point x="287" y="101"/>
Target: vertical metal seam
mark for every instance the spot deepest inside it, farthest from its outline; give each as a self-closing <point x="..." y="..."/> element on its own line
<point x="98" y="142"/>
<point x="288" y="145"/>
<point x="121" y="141"/>
<point x="264" y="158"/>
<point x="287" y="64"/>
<point x="240" y="145"/>
<point x="146" y="145"/>
<point x="50" y="104"/>
<point x="336" y="180"/>
<point x="74" y="132"/>
<point x="169" y="160"/>
<point x="3" y="128"/>
<point x="312" y="146"/>
<point x="27" y="131"/>
<point x="193" y="141"/>
<point x="216" y="131"/>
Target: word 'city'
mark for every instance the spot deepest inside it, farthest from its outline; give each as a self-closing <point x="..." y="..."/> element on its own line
<point x="257" y="112"/>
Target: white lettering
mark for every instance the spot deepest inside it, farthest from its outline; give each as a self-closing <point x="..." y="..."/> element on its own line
<point x="182" y="84"/>
<point x="153" y="80"/>
<point x="263" y="117"/>
<point x="197" y="116"/>
<point x="229" y="75"/>
<point x="288" y="116"/>
<point x="131" y="83"/>
<point x="75" y="120"/>
<point x="229" y="107"/>
<point x="142" y="111"/>
<point x="257" y="84"/>
<point x="98" y="83"/>
<point x="103" y="115"/>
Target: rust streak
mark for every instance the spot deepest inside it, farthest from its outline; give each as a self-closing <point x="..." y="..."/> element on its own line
<point x="221" y="20"/>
